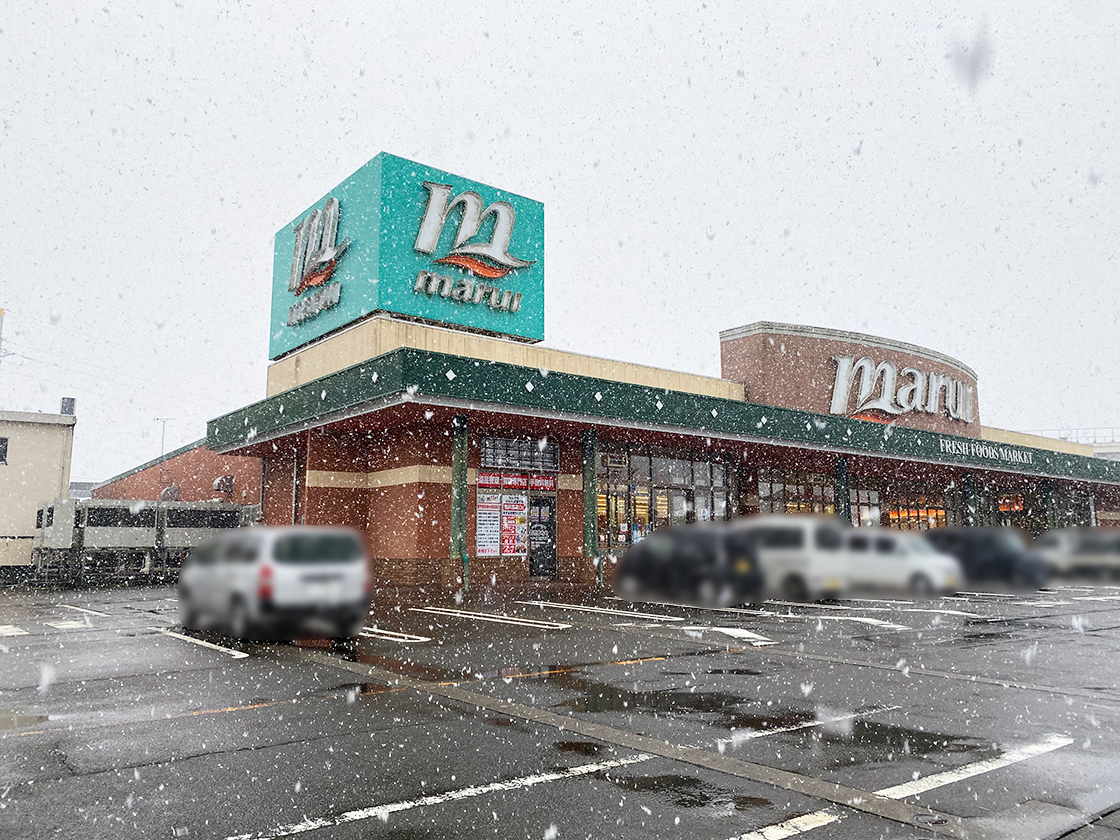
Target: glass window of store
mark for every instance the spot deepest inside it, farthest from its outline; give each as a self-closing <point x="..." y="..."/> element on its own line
<point x="643" y="489"/>
<point x="783" y="491"/>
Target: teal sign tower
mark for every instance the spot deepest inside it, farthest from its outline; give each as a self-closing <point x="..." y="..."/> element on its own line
<point x="404" y="238"/>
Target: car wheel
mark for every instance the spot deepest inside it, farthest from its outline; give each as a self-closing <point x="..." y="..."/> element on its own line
<point x="921" y="586"/>
<point x="188" y="614"/>
<point x="240" y="622"/>
<point x="794" y="589"/>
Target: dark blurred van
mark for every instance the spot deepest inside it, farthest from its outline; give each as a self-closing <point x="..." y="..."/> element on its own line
<point x="278" y="582"/>
<point x="992" y="555"/>
<point x="707" y="564"/>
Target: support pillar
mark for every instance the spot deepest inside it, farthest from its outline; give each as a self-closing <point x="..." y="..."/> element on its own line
<point x="971" y="501"/>
<point x="842" y="490"/>
<point x="591" y="500"/>
<point x="459" y="495"/>
<point x="1051" y="515"/>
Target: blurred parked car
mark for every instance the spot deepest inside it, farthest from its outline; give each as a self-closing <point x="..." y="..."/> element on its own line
<point x="883" y="559"/>
<point x="706" y="564"/>
<point x="1071" y="550"/>
<point x="992" y="555"/>
<point x="274" y="582"/>
<point x="802" y="556"/>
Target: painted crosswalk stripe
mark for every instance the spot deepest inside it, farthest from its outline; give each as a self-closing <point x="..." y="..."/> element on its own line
<point x="497" y="619"/>
<point x="68" y="624"/>
<point x="236" y="654"/>
<point x="807" y="822"/>
<point x="383" y="811"/>
<point x="740" y="736"/>
<point x="84" y="610"/>
<point x="389" y="635"/>
<point x="603" y="610"/>
<point x="11" y="630"/>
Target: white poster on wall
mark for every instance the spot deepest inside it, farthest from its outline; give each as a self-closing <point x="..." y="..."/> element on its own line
<point x="488" y="525"/>
<point x="515" y="525"/>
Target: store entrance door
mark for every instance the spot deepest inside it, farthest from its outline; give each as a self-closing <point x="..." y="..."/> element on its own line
<point x="542" y="537"/>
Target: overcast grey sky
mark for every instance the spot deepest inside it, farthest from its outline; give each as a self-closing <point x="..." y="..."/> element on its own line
<point x="945" y="174"/>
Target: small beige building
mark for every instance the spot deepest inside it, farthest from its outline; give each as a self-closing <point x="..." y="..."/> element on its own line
<point x="34" y="466"/>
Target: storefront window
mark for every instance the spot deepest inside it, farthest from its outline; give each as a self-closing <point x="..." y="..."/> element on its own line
<point x="641" y="491"/>
<point x="780" y="491"/>
<point x="680" y="472"/>
<point x="701" y="474"/>
<point x="520" y="454"/>
<point x="865" y="506"/>
<point x="639" y="468"/>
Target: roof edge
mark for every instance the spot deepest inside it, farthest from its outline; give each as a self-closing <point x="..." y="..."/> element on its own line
<point x="803" y="331"/>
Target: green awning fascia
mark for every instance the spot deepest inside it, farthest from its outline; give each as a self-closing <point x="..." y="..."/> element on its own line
<point x="418" y="374"/>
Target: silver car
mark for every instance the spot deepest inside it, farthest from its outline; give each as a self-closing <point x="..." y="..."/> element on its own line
<point x="278" y="582"/>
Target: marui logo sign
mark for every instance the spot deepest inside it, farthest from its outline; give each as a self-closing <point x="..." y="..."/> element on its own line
<point x="314" y="260"/>
<point x="487" y="260"/>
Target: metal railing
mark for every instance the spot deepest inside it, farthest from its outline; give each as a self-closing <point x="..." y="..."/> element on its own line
<point x="1097" y="434"/>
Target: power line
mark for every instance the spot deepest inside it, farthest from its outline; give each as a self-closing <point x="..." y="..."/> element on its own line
<point x="70" y="332"/>
<point x="117" y="381"/>
<point x="81" y="390"/>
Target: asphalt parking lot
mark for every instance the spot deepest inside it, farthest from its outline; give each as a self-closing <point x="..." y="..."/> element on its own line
<point x="980" y="715"/>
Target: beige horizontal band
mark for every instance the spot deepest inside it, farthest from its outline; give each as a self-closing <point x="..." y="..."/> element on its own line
<point x="416" y="474"/>
<point x="1111" y="515"/>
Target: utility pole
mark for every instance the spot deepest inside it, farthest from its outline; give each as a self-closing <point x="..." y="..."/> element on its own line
<point x="162" y="440"/>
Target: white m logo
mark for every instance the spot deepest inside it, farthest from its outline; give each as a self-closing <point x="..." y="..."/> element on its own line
<point x="497" y="261"/>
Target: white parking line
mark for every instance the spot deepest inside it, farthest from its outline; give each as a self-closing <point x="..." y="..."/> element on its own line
<point x="959" y="595"/>
<point x="68" y="624"/>
<point x="736" y="633"/>
<point x="791" y="828"/>
<point x="740" y="736"/>
<point x="389" y="635"/>
<point x="940" y="612"/>
<point x="497" y="619"/>
<point x="603" y="610"/>
<point x="383" y="811"/>
<point x="236" y="654"/>
<point x="11" y="630"/>
<point x="84" y="610"/>
<point x="859" y="619"/>
<point x="921" y="785"/>
<point x="809" y="604"/>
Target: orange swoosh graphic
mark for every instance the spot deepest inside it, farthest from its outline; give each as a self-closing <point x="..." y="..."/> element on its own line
<point x="474" y="266"/>
<point x="317" y="278"/>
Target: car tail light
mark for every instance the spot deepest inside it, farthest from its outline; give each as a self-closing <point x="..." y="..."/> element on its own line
<point x="264" y="585"/>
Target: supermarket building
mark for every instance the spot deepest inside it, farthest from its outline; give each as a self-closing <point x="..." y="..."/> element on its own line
<point x="407" y="397"/>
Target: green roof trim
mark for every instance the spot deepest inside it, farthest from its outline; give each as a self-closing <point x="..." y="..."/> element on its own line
<point x="421" y="374"/>
<point x="176" y="453"/>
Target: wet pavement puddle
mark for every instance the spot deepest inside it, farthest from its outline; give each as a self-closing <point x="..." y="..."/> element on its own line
<point x="12" y="719"/>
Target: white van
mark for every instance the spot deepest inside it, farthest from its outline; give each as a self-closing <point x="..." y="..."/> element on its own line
<point x="898" y="561"/>
<point x="1080" y="549"/>
<point x="802" y="555"/>
<point x="273" y="582"/>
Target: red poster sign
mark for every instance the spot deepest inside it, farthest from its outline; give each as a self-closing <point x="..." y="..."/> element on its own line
<point x="515" y="482"/>
<point x="542" y="482"/>
<point x="489" y="479"/>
